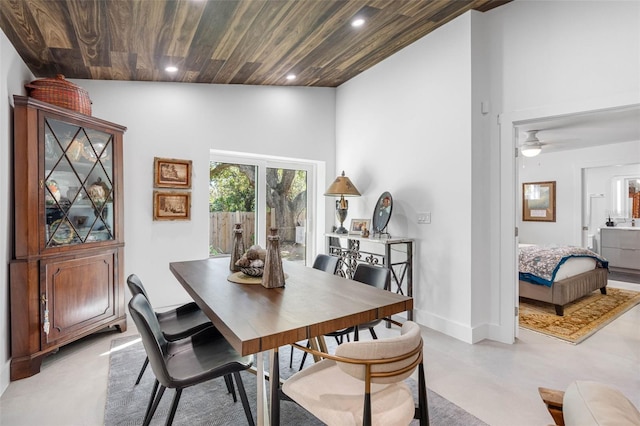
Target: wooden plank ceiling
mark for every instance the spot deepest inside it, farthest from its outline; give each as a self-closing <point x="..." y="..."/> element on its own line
<point x="219" y="41"/>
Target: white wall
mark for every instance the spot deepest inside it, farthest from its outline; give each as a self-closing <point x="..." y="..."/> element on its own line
<point x="555" y="52"/>
<point x="404" y="126"/>
<point x="13" y="75"/>
<point x="557" y="58"/>
<point x="178" y="120"/>
<point x="565" y="167"/>
<point x="409" y="125"/>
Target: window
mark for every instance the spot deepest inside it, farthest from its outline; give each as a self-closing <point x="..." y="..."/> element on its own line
<point x="260" y="193"/>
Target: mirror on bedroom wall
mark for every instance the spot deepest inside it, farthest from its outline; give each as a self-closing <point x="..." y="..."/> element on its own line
<point x="625" y="192"/>
<point x="606" y="188"/>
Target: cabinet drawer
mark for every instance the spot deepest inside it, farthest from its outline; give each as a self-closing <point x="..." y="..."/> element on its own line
<point x="619" y="238"/>
<point x="622" y="258"/>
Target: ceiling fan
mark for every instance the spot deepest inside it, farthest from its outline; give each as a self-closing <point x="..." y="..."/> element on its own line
<point x="532" y="145"/>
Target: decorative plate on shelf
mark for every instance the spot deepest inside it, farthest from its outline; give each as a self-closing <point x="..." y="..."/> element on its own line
<point x="63" y="232"/>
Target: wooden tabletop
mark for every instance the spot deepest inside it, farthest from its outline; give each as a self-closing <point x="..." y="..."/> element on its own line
<point x="312" y="303"/>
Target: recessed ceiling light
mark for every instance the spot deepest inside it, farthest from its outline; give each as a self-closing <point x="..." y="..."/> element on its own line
<point x="171" y="68"/>
<point x="291" y="77"/>
<point x="358" y="22"/>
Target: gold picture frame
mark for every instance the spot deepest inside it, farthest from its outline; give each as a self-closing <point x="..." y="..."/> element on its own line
<point x="171" y="173"/>
<point x="171" y="205"/>
<point x="539" y="201"/>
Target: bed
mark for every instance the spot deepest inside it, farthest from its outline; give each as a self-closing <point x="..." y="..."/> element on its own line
<point x="560" y="274"/>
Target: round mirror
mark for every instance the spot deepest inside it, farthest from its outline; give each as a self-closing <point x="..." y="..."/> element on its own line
<point x="382" y="212"/>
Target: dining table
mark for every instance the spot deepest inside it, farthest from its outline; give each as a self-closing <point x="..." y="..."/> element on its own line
<point x="258" y="320"/>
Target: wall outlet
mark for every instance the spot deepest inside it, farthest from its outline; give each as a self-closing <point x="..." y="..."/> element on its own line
<point x="424" y="218"/>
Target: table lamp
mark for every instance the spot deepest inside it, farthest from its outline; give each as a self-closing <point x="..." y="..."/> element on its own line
<point x="342" y="187"/>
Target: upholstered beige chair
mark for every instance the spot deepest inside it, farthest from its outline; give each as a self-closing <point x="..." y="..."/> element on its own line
<point x="363" y="383"/>
<point x="588" y="403"/>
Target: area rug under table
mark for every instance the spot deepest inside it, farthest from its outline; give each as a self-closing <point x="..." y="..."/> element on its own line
<point x="210" y="404"/>
<point x="582" y="318"/>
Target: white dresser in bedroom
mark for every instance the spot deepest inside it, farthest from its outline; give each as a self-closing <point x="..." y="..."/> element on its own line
<point x="621" y="247"/>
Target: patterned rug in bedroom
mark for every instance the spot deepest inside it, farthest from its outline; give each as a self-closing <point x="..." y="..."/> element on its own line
<point x="581" y="319"/>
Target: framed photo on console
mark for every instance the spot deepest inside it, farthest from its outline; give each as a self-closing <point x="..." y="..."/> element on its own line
<point x="539" y="201"/>
<point x="357" y="225"/>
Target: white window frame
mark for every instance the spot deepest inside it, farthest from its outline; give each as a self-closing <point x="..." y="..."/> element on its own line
<point x="313" y="169"/>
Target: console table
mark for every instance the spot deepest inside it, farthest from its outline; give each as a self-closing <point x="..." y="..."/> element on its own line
<point x="397" y="255"/>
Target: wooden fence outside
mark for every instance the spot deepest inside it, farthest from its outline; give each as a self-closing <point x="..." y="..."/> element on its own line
<point x="222" y="235"/>
<point x="221" y="225"/>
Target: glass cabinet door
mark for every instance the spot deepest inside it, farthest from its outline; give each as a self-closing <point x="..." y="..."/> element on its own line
<point x="77" y="184"/>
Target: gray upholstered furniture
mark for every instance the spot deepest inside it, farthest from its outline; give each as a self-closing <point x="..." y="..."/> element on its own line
<point x="177" y="323"/>
<point x="204" y="356"/>
<point x="566" y="291"/>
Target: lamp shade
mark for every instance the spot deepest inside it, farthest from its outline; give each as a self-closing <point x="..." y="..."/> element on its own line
<point x="342" y="186"/>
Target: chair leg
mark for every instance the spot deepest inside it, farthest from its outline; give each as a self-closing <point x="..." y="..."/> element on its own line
<point x="373" y="333"/>
<point x="291" y="357"/>
<point x="356" y="335"/>
<point x="232" y="390"/>
<point x="422" y="397"/>
<point x="304" y="356"/>
<point x="244" y="399"/>
<point x="153" y="403"/>
<point x="151" y="398"/>
<point x="366" y="415"/>
<point x="144" y="367"/>
<point x="174" y="407"/>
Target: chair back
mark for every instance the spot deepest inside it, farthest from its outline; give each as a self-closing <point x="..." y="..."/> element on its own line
<point x="326" y="263"/>
<point x="135" y="286"/>
<point x="155" y="344"/>
<point x="375" y="276"/>
<point x="397" y="356"/>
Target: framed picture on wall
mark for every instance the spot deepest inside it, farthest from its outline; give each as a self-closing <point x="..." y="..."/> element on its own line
<point x="171" y="173"/>
<point x="539" y="201"/>
<point x="171" y="205"/>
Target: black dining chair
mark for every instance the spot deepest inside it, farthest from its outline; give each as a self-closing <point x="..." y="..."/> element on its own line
<point x="376" y="276"/>
<point x="326" y="263"/>
<point x="175" y="324"/>
<point x="189" y="361"/>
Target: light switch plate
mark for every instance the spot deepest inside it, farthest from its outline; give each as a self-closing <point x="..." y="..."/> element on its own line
<point x="424" y="218"/>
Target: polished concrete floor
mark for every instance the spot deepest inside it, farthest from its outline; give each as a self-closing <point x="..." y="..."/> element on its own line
<point x="495" y="382"/>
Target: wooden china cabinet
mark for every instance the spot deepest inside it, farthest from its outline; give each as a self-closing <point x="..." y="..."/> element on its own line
<point x="66" y="275"/>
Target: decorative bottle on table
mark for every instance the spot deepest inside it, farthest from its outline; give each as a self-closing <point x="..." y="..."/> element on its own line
<point x="273" y="275"/>
<point x="238" y="248"/>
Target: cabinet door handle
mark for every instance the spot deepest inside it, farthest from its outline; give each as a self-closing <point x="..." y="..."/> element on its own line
<point x="46" y="325"/>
